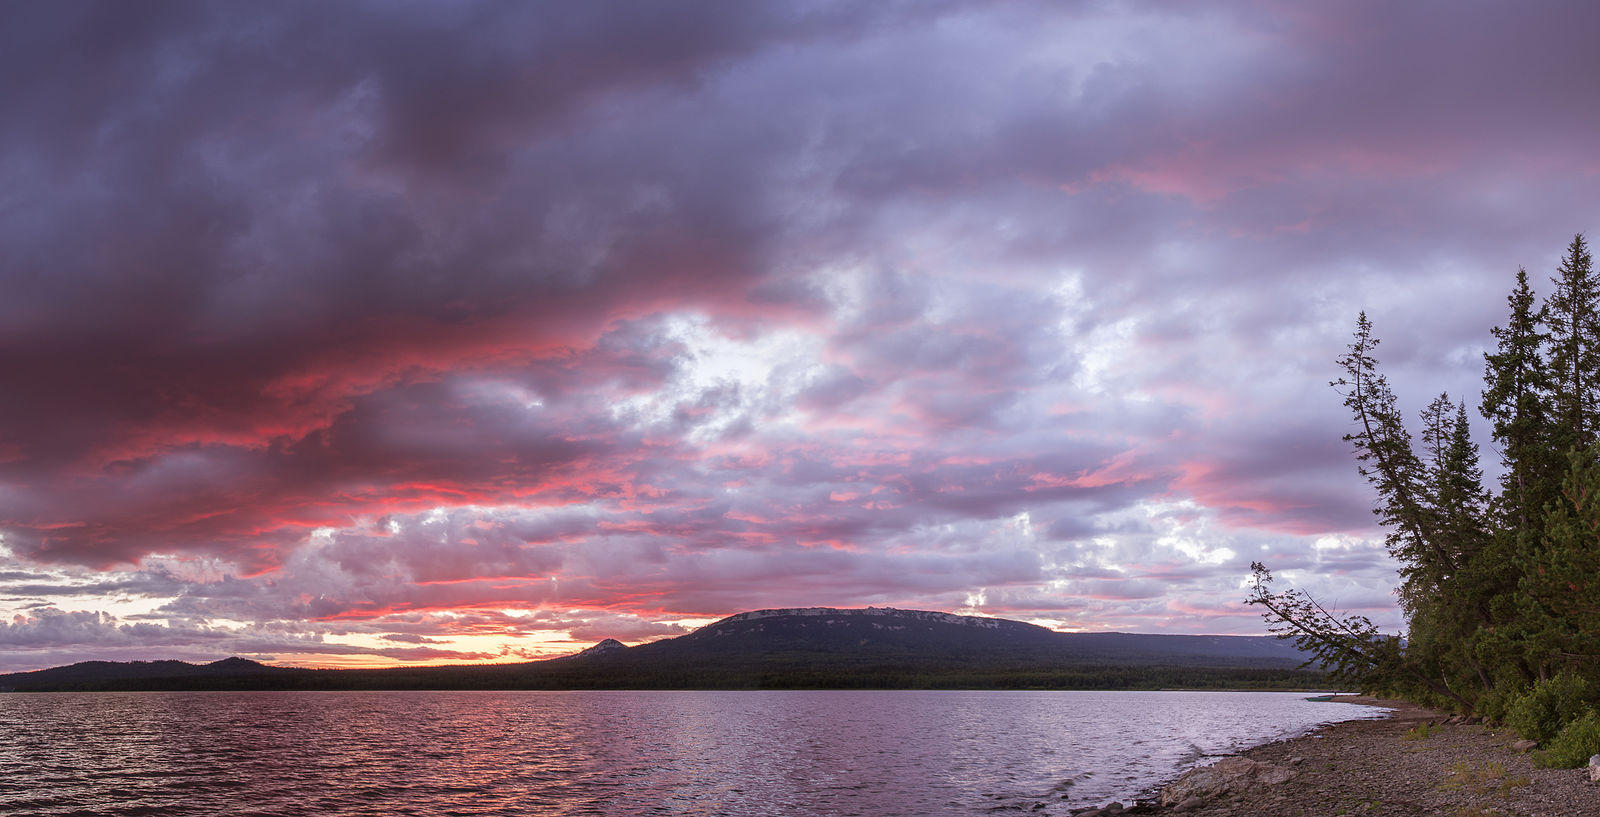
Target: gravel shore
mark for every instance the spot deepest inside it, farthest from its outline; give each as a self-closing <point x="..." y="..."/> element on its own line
<point x="1393" y="767"/>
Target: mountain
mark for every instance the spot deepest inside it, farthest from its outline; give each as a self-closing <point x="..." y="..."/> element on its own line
<point x="605" y="647"/>
<point x="873" y="629"/>
<point x="102" y="674"/>
<point x="810" y="647"/>
<point x="922" y="634"/>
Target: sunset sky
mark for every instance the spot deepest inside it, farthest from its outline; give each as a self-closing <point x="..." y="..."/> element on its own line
<point x="345" y="334"/>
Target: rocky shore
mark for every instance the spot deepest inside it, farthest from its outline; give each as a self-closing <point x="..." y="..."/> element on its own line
<point x="1416" y="762"/>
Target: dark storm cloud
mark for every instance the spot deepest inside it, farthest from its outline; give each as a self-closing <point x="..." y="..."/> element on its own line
<point x="249" y="213"/>
<point x="334" y="315"/>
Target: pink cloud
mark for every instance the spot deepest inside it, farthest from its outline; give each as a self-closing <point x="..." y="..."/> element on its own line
<point x="1050" y="312"/>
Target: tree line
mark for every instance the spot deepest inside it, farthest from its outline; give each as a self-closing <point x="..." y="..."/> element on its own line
<point x="805" y="671"/>
<point x="1500" y="584"/>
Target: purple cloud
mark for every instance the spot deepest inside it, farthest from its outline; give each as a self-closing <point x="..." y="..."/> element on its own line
<point x="595" y="321"/>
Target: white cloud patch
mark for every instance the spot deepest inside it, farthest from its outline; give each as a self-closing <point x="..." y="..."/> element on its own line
<point x="1020" y="308"/>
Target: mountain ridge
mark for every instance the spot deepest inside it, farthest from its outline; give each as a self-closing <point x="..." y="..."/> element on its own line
<point x="812" y="647"/>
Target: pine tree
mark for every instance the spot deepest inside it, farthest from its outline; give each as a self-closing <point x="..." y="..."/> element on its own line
<point x="1516" y="400"/>
<point x="1460" y="494"/>
<point x="1434" y="516"/>
<point x="1571" y="314"/>
<point x="1386" y="458"/>
<point x="1446" y="617"/>
<point x="1455" y="491"/>
<point x="1560" y="601"/>
<point x="1500" y="589"/>
<point x="1351" y="649"/>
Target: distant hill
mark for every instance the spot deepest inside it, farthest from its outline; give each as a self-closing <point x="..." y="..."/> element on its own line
<point x="885" y="631"/>
<point x="98" y="674"/>
<point x="812" y="647"/>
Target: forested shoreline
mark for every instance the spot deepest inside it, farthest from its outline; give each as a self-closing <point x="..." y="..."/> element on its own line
<point x="1500" y="584"/>
<point x="813" y="672"/>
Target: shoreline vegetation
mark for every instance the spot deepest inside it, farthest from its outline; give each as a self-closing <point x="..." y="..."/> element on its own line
<point x="754" y="675"/>
<point x="1499" y="579"/>
<point x="1416" y="761"/>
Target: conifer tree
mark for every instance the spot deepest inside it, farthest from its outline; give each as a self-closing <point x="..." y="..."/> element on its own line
<point x="1386" y="458"/>
<point x="1445" y="617"/>
<point x="1500" y="589"/>
<point x="1562" y="585"/>
<point x="1516" y="398"/>
<point x="1455" y="480"/>
<point x="1574" y="325"/>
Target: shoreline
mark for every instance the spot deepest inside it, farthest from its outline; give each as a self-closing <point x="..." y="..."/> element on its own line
<point x="1396" y="767"/>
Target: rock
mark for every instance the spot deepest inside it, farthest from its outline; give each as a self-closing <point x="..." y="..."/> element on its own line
<point x="1594" y="768"/>
<point x="1107" y="810"/>
<point x="1525" y="745"/>
<point x="1230" y="774"/>
<point x="1190" y="804"/>
<point x="1296" y="761"/>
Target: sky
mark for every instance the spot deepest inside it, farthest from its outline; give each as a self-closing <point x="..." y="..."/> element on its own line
<point x="354" y="334"/>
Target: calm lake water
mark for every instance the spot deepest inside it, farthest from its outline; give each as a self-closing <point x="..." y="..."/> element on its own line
<point x="875" y="754"/>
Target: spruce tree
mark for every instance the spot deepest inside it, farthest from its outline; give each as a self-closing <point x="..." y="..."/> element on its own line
<point x="1500" y="589"/>
<point x="1574" y="326"/>
<point x="1561" y="586"/>
<point x="1386" y="458"/>
<point x="1455" y="491"/>
<point x="1516" y="399"/>
<point x="1445" y="615"/>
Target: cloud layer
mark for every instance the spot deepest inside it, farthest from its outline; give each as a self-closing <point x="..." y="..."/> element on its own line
<point x="357" y="332"/>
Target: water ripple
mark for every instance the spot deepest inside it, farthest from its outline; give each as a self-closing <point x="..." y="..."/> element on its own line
<point x="566" y="754"/>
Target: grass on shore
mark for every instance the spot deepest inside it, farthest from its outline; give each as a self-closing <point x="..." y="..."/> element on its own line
<point x="1488" y="779"/>
<point x="1422" y="731"/>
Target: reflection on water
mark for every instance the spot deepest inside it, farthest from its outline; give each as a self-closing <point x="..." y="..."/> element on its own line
<point x="617" y="753"/>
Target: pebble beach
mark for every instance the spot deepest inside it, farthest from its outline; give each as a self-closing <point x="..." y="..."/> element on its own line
<point x="1418" y="761"/>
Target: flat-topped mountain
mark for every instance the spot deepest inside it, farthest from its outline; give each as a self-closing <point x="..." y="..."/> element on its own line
<point x="886" y="631"/>
<point x="813" y="647"/>
<point x="832" y="629"/>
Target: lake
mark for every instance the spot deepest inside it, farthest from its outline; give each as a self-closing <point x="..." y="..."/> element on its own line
<point x="780" y="753"/>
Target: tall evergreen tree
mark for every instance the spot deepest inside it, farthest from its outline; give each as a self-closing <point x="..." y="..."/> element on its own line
<point x="1500" y="589"/>
<point x="1458" y="492"/>
<point x="1386" y="458"/>
<point x="1445" y="613"/>
<point x="1454" y="492"/>
<point x="1561" y="588"/>
<point x="1516" y="398"/>
<point x="1573" y="316"/>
